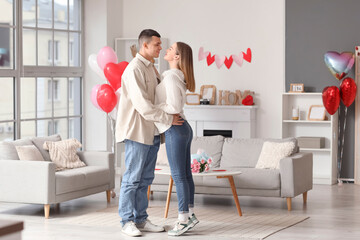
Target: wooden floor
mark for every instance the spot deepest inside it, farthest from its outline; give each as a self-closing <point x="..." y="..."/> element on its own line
<point x="334" y="213"/>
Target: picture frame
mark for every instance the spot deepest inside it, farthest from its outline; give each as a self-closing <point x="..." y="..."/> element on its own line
<point x="208" y="92"/>
<point x="296" y="87"/>
<point x="192" y="99"/>
<point x="316" y="113"/>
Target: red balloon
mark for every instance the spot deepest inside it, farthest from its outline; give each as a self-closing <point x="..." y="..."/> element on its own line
<point x="106" y="98"/>
<point x="348" y="91"/>
<point x="331" y="99"/>
<point x="113" y="73"/>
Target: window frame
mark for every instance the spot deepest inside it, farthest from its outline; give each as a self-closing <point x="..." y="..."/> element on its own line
<point x="20" y="71"/>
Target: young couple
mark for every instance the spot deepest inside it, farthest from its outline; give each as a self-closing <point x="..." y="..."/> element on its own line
<point x="148" y="107"/>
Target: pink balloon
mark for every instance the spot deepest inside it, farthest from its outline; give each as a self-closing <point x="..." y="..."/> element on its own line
<point x="94" y="92"/>
<point x="105" y="56"/>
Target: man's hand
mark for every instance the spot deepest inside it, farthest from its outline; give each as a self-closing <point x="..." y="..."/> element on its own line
<point x="177" y="120"/>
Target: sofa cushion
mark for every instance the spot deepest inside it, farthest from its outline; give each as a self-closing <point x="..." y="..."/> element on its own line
<point x="273" y="152"/>
<point x="212" y="146"/>
<point x="250" y="178"/>
<point x="8" y="150"/>
<point x="30" y="153"/>
<point x="64" y="153"/>
<point x="39" y="142"/>
<point x="77" y="179"/>
<point x="289" y="139"/>
<point x="239" y="152"/>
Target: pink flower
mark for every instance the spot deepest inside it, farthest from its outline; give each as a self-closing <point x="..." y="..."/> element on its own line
<point x="209" y="160"/>
<point x="202" y="161"/>
<point x="194" y="160"/>
<point x="206" y="169"/>
<point x="206" y="165"/>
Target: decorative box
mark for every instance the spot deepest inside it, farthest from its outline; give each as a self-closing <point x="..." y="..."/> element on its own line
<point x="311" y="142"/>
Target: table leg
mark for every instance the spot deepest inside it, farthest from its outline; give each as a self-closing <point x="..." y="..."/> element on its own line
<point x="171" y="181"/>
<point x="148" y="192"/>
<point x="233" y="189"/>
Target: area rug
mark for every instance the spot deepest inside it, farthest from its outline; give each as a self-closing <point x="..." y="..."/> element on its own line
<point x="217" y="223"/>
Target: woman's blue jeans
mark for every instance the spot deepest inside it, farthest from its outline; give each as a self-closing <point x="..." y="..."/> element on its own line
<point x="140" y="160"/>
<point x="178" y="142"/>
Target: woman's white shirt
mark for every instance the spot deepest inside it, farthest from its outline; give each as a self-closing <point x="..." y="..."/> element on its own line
<point x="170" y="95"/>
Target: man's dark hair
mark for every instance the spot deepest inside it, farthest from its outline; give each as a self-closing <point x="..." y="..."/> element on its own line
<point x="145" y="36"/>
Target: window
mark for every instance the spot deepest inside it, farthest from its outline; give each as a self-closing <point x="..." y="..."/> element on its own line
<point x="54" y="51"/>
<point x="53" y="88"/>
<point x="42" y="93"/>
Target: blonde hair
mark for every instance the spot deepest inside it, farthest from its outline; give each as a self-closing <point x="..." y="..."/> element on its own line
<point x="186" y="64"/>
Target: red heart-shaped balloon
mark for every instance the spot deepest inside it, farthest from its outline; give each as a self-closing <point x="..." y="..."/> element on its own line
<point x="348" y="91"/>
<point x="210" y="59"/>
<point x="106" y="98"/>
<point x="113" y="73"/>
<point x="228" y="62"/>
<point x="331" y="99"/>
<point x="248" y="100"/>
<point x="247" y="55"/>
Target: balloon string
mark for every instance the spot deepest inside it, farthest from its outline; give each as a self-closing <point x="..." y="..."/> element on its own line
<point x="112" y="127"/>
<point x="342" y="144"/>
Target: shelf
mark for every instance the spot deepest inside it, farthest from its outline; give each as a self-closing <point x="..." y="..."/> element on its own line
<point x="307" y="122"/>
<point x="303" y="94"/>
<point x="315" y="149"/>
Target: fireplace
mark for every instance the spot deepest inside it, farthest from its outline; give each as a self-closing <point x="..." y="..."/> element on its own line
<point x="225" y="120"/>
<point x="224" y="133"/>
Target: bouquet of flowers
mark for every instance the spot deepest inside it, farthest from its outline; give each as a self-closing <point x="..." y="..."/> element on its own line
<point x="201" y="162"/>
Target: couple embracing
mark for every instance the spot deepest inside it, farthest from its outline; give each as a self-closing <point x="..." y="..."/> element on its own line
<point x="149" y="106"/>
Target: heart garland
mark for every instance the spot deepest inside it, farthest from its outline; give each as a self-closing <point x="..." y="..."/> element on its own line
<point x="227" y="61"/>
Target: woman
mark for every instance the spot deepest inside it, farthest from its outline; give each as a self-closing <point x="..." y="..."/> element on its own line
<point x="170" y="97"/>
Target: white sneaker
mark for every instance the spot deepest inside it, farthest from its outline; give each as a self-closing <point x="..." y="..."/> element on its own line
<point x="180" y="228"/>
<point x="194" y="221"/>
<point x="130" y="229"/>
<point x="147" y="226"/>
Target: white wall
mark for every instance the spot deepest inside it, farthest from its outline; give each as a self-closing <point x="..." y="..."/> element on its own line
<point x="222" y="27"/>
<point x="102" y="23"/>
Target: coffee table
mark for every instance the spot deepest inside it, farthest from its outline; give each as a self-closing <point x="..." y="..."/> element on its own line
<point x="220" y="173"/>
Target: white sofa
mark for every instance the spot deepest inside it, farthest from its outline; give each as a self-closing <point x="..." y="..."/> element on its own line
<point x="37" y="182"/>
<point x="294" y="176"/>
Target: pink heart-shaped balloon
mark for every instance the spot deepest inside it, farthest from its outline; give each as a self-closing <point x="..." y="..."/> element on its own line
<point x="202" y="54"/>
<point x="219" y="60"/>
<point x="238" y="59"/>
<point x="339" y="64"/>
<point x="106" y="98"/>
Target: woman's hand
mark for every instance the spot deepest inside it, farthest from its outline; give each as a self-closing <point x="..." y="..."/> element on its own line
<point x="177" y="119"/>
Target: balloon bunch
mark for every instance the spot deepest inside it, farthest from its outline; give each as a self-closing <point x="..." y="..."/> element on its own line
<point x="105" y="96"/>
<point x="339" y="66"/>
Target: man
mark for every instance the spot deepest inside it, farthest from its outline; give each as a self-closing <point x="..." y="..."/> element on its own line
<point x="135" y="126"/>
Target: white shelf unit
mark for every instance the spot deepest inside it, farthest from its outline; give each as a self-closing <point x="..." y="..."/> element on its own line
<point x="324" y="159"/>
<point x="123" y="52"/>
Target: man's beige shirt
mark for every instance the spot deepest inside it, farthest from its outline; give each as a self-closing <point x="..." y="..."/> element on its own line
<point x="137" y="113"/>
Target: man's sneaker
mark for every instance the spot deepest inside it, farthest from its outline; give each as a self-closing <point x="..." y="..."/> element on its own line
<point x="180" y="228"/>
<point x="147" y="226"/>
<point x="194" y="221"/>
<point x="131" y="230"/>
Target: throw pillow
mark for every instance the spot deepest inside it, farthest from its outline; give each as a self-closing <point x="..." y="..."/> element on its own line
<point x="64" y="153"/>
<point x="39" y="142"/>
<point x="29" y="152"/>
<point x="8" y="150"/>
<point x="273" y="152"/>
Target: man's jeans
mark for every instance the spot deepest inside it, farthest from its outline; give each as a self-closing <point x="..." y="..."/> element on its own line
<point x="140" y="160"/>
<point x="178" y="142"/>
